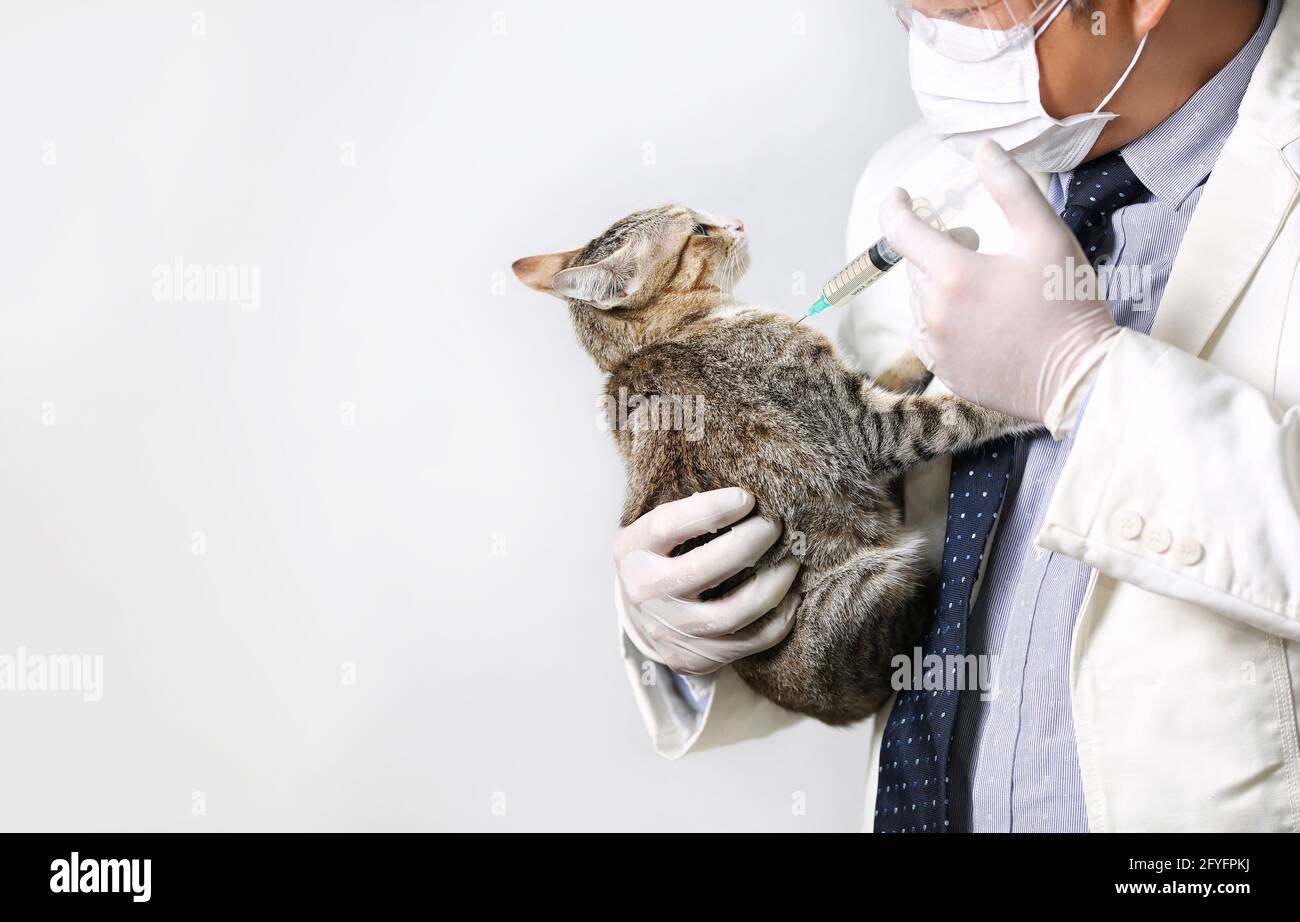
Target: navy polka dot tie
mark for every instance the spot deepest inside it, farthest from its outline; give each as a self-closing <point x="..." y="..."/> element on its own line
<point x="1097" y="190"/>
<point x="912" y="789"/>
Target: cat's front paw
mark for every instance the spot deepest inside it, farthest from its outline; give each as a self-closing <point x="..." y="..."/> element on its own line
<point x="1004" y="424"/>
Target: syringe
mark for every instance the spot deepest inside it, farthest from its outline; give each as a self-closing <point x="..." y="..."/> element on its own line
<point x="857" y="276"/>
<point x="880" y="257"/>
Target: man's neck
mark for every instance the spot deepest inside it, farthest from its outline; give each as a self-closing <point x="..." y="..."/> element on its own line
<point x="1194" y="41"/>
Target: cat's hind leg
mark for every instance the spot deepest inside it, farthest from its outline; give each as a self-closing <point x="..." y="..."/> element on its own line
<point x="837" y="661"/>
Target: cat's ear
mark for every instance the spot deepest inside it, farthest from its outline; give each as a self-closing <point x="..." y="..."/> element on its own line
<point x="538" y="272"/>
<point x="605" y="284"/>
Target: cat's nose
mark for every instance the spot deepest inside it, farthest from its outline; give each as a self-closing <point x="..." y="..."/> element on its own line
<point x="739" y="226"/>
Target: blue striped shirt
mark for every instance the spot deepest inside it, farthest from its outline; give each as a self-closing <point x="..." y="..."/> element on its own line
<point x="1014" y="766"/>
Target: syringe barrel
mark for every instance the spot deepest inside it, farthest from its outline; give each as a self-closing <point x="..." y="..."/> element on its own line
<point x="873" y="262"/>
<point x="858" y="275"/>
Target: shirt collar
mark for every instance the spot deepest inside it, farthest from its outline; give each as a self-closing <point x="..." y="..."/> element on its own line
<point x="1177" y="156"/>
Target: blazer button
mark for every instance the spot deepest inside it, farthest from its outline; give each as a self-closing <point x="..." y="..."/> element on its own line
<point x="1127" y="524"/>
<point x="1157" y="538"/>
<point x="1188" y="551"/>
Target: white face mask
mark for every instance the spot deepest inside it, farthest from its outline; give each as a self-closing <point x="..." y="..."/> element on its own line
<point x="998" y="98"/>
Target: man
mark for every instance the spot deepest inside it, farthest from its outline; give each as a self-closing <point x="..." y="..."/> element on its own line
<point x="1140" y="591"/>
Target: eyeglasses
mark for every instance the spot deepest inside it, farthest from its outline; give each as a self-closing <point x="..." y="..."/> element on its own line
<point x="973" y="30"/>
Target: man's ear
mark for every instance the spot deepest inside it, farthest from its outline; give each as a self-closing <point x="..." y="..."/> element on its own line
<point x="1147" y="15"/>
<point x="605" y="284"/>
<point x="538" y="272"/>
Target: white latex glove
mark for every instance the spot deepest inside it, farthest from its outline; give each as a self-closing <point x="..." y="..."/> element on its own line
<point x="661" y="593"/>
<point x="985" y="324"/>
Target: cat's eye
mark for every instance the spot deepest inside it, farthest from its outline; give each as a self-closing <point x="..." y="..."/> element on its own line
<point x="699" y="230"/>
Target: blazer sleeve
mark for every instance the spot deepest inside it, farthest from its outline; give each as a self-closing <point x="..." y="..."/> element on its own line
<point x="684" y="714"/>
<point x="1185" y="481"/>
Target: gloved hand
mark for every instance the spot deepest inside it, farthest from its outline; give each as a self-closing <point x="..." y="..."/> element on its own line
<point x="986" y="325"/>
<point x="661" y="593"/>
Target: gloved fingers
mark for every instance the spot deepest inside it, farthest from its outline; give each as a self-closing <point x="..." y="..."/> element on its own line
<point x="922" y="288"/>
<point x="918" y="279"/>
<point x="743" y="605"/>
<point x="1016" y="193"/>
<point x="966" y="236"/>
<point x="666" y="526"/>
<point x="940" y="256"/>
<point x="723" y="557"/>
<point x="695" y="656"/>
<point x="920" y="344"/>
<point x="649" y="575"/>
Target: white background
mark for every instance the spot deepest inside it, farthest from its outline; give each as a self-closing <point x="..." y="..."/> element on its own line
<point x="382" y="164"/>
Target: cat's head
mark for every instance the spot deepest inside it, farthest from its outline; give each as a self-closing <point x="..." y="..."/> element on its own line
<point x="649" y="259"/>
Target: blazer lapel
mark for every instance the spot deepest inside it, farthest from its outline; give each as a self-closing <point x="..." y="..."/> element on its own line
<point x="1246" y="199"/>
<point x="1241" y="210"/>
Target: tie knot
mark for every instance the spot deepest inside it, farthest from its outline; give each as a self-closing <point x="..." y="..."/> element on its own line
<point x="1104" y="185"/>
<point x="1097" y="190"/>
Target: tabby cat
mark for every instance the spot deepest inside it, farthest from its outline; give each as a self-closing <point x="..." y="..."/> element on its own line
<point x="820" y="446"/>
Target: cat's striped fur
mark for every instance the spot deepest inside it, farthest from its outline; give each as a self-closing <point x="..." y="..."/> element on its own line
<point x="819" y="445"/>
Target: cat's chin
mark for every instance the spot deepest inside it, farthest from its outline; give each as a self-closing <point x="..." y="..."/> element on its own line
<point x="734" y="268"/>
